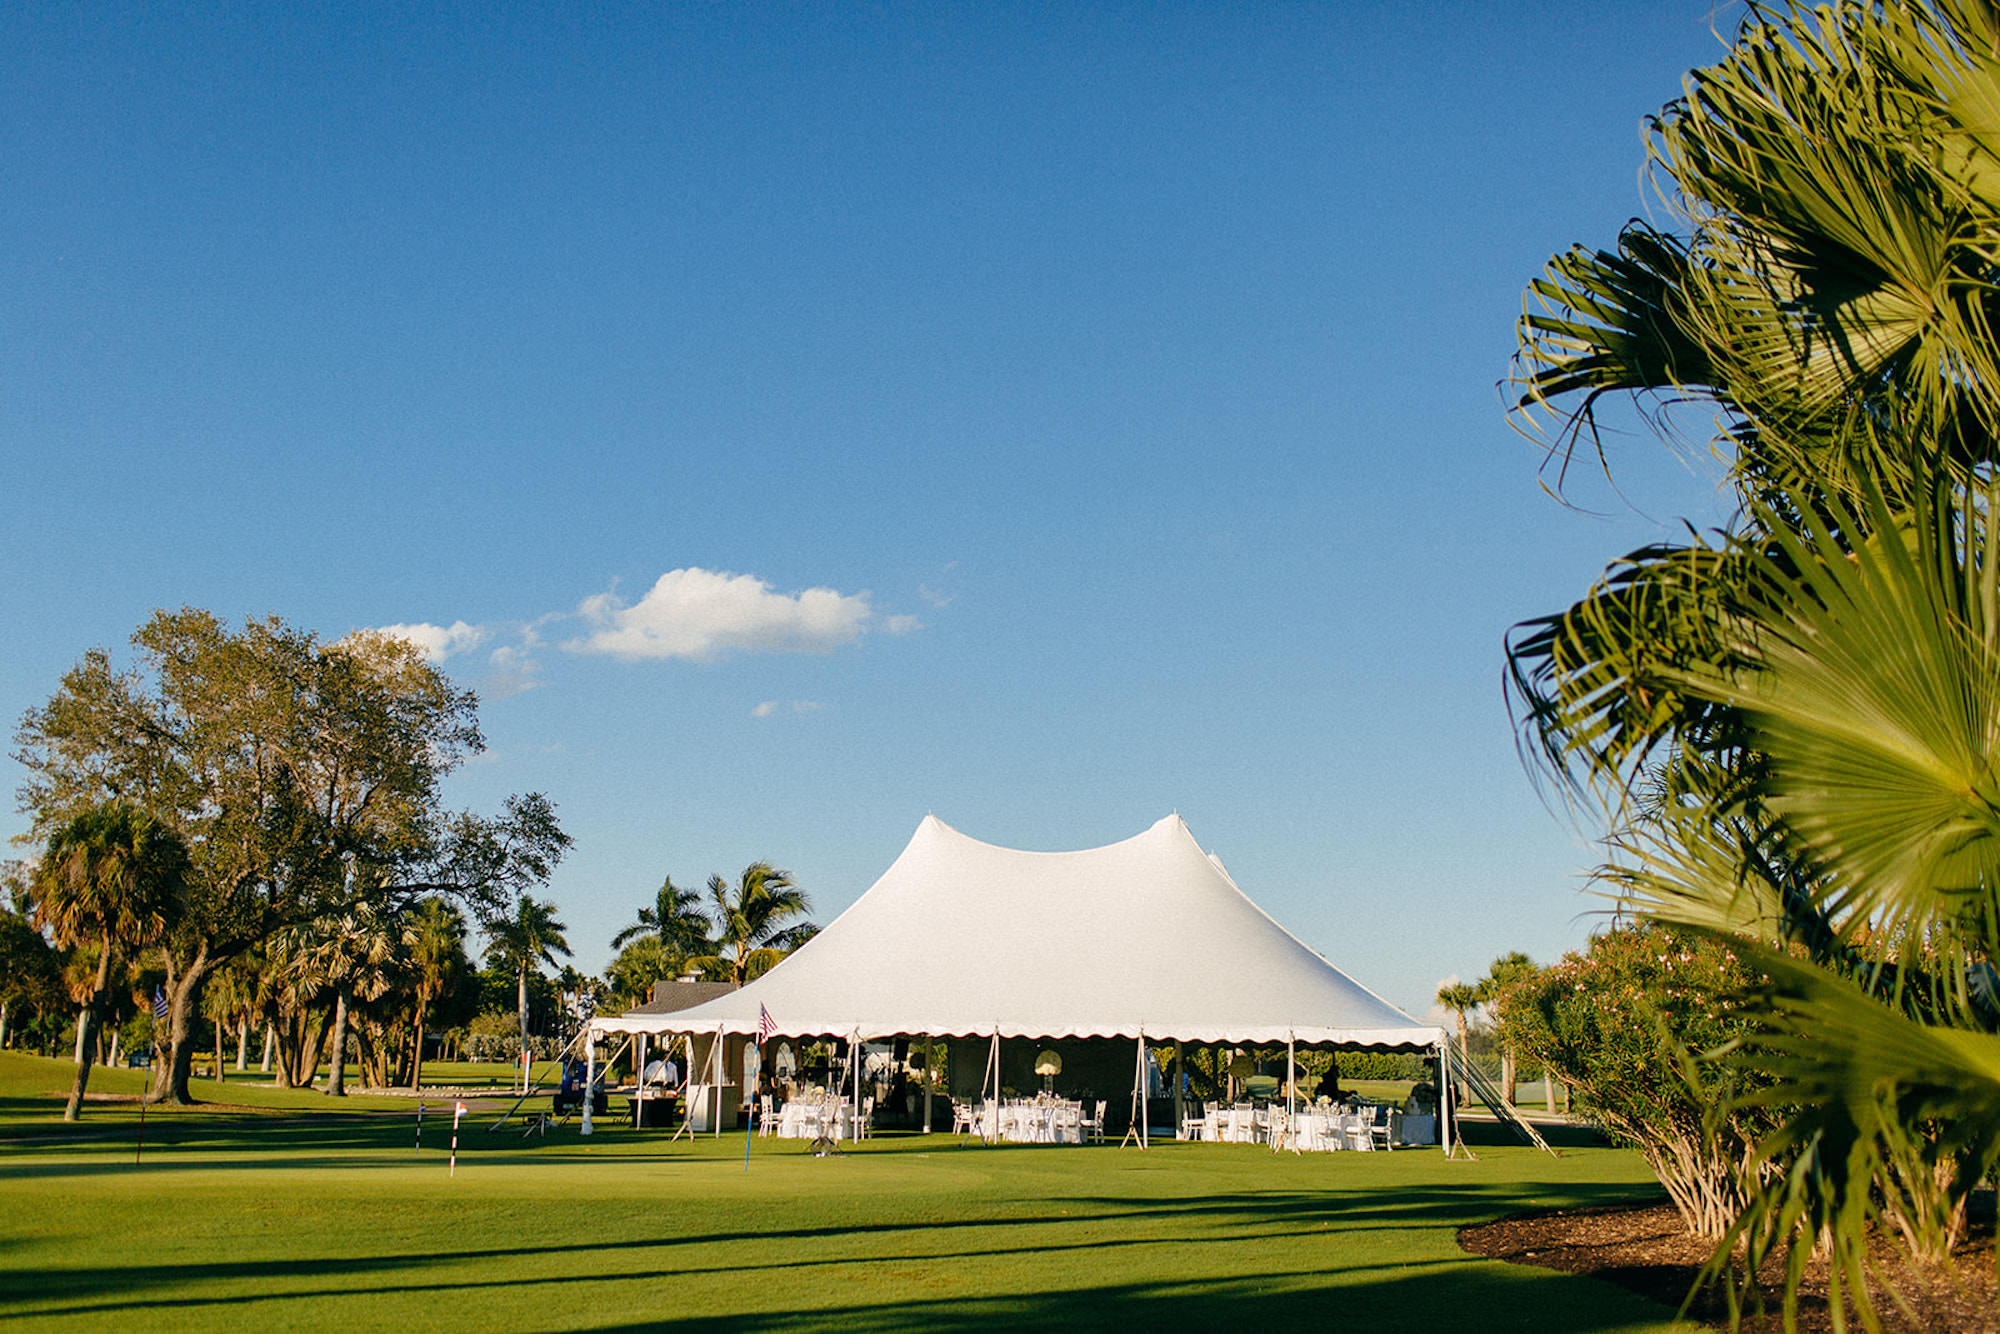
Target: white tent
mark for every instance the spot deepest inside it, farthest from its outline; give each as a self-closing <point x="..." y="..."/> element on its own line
<point x="1148" y="938"/>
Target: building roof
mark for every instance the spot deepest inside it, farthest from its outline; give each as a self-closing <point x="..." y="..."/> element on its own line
<point x="673" y="996"/>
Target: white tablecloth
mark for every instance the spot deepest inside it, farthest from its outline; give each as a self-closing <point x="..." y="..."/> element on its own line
<point x="1309" y="1129"/>
<point x="1033" y="1122"/>
<point x="1418" y="1130"/>
<point x="1319" y="1129"/>
<point x="808" y="1120"/>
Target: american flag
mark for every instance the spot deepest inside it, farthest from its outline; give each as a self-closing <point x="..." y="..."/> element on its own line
<point x="159" y="1004"/>
<point x="766" y="1025"/>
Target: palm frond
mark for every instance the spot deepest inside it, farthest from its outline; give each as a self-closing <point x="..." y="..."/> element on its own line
<point x="1871" y="1096"/>
<point x="1873" y="691"/>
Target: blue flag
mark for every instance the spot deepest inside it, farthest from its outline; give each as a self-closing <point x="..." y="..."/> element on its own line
<point x="159" y="1004"/>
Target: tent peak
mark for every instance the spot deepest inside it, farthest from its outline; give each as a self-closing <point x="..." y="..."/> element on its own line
<point x="1166" y="824"/>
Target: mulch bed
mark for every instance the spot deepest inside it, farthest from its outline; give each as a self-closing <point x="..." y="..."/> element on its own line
<point x="1645" y="1250"/>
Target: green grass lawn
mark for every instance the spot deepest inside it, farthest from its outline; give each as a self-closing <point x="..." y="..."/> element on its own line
<point x="271" y="1218"/>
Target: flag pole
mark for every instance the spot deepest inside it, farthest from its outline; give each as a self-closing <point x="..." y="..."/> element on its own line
<point x="750" y="1121"/>
<point x="160" y="1013"/>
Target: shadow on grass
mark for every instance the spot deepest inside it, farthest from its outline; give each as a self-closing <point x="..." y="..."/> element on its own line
<point x="259" y="1140"/>
<point x="1261" y="1219"/>
<point x="1392" y="1295"/>
<point x="1486" y="1299"/>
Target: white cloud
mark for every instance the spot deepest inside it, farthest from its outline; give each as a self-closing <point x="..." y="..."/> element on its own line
<point x="512" y="671"/>
<point x="437" y="642"/>
<point x="703" y="614"/>
<point x="901" y="624"/>
<point x="771" y="706"/>
<point x="936" y="597"/>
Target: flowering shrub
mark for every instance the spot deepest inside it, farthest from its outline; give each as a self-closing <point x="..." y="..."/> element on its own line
<point x="1631" y="1025"/>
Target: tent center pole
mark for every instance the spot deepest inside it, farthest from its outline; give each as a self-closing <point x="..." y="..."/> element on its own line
<point x="1291" y="1090"/>
<point x="930" y="1077"/>
<point x="994" y="1101"/>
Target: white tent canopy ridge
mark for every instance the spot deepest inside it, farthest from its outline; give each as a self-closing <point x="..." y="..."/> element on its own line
<point x="1147" y="938"/>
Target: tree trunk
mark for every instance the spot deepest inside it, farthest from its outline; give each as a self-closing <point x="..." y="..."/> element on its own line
<point x="170" y="1076"/>
<point x="218" y="1051"/>
<point x="270" y="1041"/>
<point x="1507" y="1081"/>
<point x="417" y="1055"/>
<point x="86" y="1030"/>
<point x="3" y="1025"/>
<point x="116" y="1037"/>
<point x="336" y="1075"/>
<point x="522" y="1001"/>
<point x="243" y="1042"/>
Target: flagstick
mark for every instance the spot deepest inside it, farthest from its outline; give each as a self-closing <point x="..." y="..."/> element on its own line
<point x="420" y="1125"/>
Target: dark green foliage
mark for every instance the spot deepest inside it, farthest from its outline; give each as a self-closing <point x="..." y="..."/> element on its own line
<point x="1624" y="1024"/>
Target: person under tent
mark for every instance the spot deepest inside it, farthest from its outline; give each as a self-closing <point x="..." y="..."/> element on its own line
<point x="1329" y="1083"/>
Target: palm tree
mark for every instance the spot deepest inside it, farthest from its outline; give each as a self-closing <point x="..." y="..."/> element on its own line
<point x="675" y="919"/>
<point x="1461" y="998"/>
<point x="434" y="938"/>
<point x="1796" y="724"/>
<point x="751" y="919"/>
<point x="645" y="961"/>
<point x="351" y="955"/>
<point x="1490" y="989"/>
<point x="528" y="939"/>
<point x="107" y="880"/>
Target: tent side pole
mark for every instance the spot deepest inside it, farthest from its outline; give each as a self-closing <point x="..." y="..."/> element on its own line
<point x="1444" y="1100"/>
<point x="639" y="1078"/>
<point x="1137" y="1130"/>
<point x="993" y="1063"/>
<point x="715" y="1084"/>
<point x="1291" y="1090"/>
<point x="1180" y="1087"/>
<point x="589" y="1078"/>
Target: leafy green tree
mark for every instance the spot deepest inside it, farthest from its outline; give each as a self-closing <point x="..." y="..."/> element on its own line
<point x="755" y="921"/>
<point x="31" y="976"/>
<point x="109" y="878"/>
<point x="523" y="942"/>
<point x="303" y="776"/>
<point x="1794" y="723"/>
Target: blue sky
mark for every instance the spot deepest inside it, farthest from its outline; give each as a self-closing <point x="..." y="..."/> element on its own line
<point x="1096" y="407"/>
